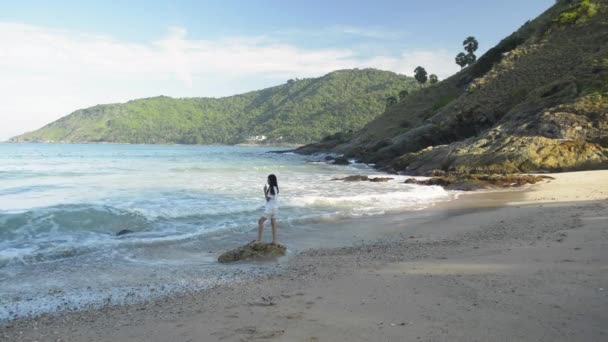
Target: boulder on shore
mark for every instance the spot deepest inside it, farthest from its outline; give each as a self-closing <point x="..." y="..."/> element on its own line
<point x="341" y="161"/>
<point x="361" y="178"/>
<point x="470" y="182"/>
<point x="253" y="250"/>
<point x="380" y="179"/>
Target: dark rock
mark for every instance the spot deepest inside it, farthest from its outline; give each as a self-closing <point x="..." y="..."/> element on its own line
<point x="360" y="178"/>
<point x="282" y="151"/>
<point x="438" y="173"/>
<point x="356" y="178"/>
<point x="124" y="232"/>
<point x="341" y="161"/>
<point x="469" y="182"/>
<point x="380" y="179"/>
<point x="253" y="250"/>
<point x="329" y="158"/>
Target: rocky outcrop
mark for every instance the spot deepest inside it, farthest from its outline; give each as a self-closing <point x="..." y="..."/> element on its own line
<point x="538" y="101"/>
<point x="253" y="251"/>
<point x="469" y="182"/>
<point x="359" y="178"/>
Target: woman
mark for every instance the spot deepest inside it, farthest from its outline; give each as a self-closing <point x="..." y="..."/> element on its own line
<point x="271" y="191"/>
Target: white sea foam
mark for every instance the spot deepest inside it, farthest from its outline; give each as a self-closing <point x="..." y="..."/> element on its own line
<point x="370" y="201"/>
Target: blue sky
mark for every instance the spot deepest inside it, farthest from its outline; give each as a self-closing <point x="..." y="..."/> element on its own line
<point x="59" y="56"/>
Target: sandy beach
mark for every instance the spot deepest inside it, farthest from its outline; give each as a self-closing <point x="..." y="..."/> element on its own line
<point x="526" y="265"/>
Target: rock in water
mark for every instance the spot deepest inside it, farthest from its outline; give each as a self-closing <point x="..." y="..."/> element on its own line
<point x="380" y="179"/>
<point x="355" y="178"/>
<point x="359" y="178"/>
<point x="124" y="231"/>
<point x="253" y="250"/>
<point x="341" y="161"/>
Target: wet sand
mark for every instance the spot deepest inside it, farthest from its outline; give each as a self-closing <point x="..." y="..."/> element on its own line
<point x="500" y="266"/>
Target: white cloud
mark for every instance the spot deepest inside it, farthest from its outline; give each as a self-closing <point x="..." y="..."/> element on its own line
<point x="370" y="32"/>
<point x="48" y="73"/>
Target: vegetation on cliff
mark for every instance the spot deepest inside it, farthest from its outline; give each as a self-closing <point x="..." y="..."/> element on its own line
<point x="299" y="111"/>
<point x="536" y="101"/>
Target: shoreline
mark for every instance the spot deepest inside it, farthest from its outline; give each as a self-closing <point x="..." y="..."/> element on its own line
<point x="415" y="255"/>
<point x="287" y="145"/>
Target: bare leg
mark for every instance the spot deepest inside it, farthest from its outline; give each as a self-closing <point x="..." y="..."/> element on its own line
<point x="261" y="228"/>
<point x="273" y="224"/>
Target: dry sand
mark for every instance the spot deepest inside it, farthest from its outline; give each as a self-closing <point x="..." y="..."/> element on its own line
<point x="484" y="272"/>
<point x="571" y="186"/>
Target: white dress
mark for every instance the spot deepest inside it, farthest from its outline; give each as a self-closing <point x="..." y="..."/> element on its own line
<point x="272" y="205"/>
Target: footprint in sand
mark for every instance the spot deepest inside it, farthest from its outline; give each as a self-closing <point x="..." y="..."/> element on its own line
<point x="296" y="294"/>
<point x="297" y="315"/>
<point x="262" y="303"/>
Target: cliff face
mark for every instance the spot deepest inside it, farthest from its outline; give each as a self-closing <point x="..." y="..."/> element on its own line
<point x="536" y="101"/>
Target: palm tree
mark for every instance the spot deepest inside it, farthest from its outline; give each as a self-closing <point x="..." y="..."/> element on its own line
<point x="461" y="59"/>
<point x="470" y="44"/>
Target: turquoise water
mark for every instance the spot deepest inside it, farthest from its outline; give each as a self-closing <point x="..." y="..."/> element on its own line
<point x="62" y="205"/>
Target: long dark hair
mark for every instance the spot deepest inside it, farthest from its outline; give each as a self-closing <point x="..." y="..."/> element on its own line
<point x="272" y="179"/>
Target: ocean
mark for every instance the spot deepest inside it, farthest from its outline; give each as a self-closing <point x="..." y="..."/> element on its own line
<point x="61" y="206"/>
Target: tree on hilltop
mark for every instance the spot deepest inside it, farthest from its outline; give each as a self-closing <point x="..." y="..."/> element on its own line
<point x="470" y="46"/>
<point x="433" y="79"/>
<point x="461" y="59"/>
<point x="420" y="75"/>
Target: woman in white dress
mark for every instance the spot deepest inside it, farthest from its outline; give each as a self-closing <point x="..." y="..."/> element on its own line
<point x="271" y="192"/>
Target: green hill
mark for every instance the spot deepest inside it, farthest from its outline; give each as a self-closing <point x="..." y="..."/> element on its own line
<point x="299" y="111"/>
<point x="536" y="101"/>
